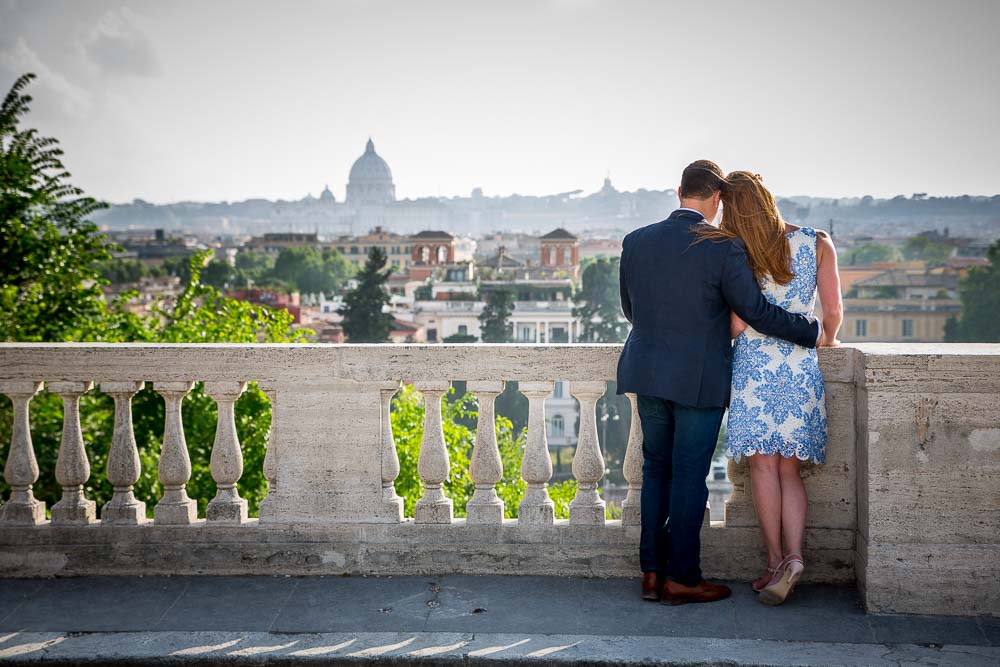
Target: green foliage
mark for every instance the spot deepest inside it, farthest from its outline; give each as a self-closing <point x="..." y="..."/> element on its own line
<point x="923" y="247"/>
<point x="980" y="295"/>
<point x="871" y="253"/>
<point x="364" y="319"/>
<point x="457" y="413"/>
<point x="494" y="320"/>
<point x="48" y="250"/>
<point x="309" y="269"/>
<point x="459" y="338"/>
<point x="117" y="271"/>
<point x="599" y="300"/>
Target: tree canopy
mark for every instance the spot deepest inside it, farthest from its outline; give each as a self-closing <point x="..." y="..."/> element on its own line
<point x="364" y="318"/>
<point x="494" y="323"/>
<point x="599" y="299"/>
<point x="980" y="295"/>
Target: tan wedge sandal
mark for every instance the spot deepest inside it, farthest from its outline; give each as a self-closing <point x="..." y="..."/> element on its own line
<point x="783" y="582"/>
<point x="771" y="571"/>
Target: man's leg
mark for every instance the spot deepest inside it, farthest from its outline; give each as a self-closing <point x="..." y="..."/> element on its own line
<point x="695" y="434"/>
<point x="657" y="449"/>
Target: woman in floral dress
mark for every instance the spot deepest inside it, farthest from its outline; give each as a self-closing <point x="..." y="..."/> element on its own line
<point x="777" y="413"/>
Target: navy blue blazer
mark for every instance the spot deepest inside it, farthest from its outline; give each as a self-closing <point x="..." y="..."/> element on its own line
<point x="678" y="296"/>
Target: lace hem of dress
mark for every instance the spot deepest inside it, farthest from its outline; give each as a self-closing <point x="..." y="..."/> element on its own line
<point x="768" y="449"/>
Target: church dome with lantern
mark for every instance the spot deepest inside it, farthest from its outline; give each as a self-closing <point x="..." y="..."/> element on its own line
<point x="370" y="182"/>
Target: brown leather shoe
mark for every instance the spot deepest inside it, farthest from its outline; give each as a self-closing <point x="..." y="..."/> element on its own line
<point x="674" y="593"/>
<point x="651" y="586"/>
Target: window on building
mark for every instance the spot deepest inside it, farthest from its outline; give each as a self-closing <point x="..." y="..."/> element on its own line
<point x="442" y="255"/>
<point x="432" y="335"/>
<point x="558" y="426"/>
<point x="354" y="250"/>
<point x="425" y="255"/>
<point x="907" y="328"/>
<point x="557" y="391"/>
<point x="463" y="330"/>
<point x="861" y="328"/>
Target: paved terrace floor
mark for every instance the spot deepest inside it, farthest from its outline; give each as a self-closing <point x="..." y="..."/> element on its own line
<point x="457" y="620"/>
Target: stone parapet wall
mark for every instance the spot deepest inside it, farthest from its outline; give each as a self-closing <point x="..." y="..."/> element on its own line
<point x="907" y="505"/>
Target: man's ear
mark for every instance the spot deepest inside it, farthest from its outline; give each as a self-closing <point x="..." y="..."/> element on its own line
<point x="680" y="193"/>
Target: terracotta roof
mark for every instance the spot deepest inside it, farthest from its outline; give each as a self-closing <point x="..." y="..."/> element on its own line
<point x="433" y="235"/>
<point x="559" y="234"/>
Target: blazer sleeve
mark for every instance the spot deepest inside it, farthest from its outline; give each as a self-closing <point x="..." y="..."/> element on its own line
<point x="623" y="286"/>
<point x="741" y="291"/>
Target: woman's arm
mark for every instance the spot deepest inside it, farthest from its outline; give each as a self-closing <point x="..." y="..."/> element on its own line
<point x="828" y="286"/>
<point x="736" y="325"/>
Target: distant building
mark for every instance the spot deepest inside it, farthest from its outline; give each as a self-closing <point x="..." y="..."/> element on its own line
<point x="274" y="243"/>
<point x="370" y="182"/>
<point x="395" y="246"/>
<point x="560" y="252"/>
<point x="898" y="305"/>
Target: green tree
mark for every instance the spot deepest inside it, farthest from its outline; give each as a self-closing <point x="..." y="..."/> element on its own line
<point x="980" y="295"/>
<point x="494" y="320"/>
<point x="923" y="247"/>
<point x="311" y="270"/>
<point x="254" y="265"/>
<point x="871" y="253"/>
<point x="49" y="251"/>
<point x="459" y="338"/>
<point x="599" y="300"/>
<point x="219" y="274"/>
<point x="364" y="319"/>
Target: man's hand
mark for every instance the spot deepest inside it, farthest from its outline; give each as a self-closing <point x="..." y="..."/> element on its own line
<point x="736" y="325"/>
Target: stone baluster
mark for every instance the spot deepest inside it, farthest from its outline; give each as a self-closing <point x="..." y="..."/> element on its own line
<point x="21" y="469"/>
<point x="433" y="464"/>
<point x="739" y="506"/>
<point x="271" y="453"/>
<point x="632" y="467"/>
<point x="227" y="459"/>
<point x="390" y="458"/>
<point x="175" y="508"/>
<point x="536" y="466"/>
<point x="588" y="462"/>
<point x="485" y="468"/>
<point x="72" y="466"/>
<point x="123" y="459"/>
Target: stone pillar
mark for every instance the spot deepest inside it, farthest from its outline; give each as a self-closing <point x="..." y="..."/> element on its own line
<point x="21" y="469"/>
<point x="433" y="464"/>
<point x="123" y="459"/>
<point x="739" y="508"/>
<point x="390" y="457"/>
<point x="227" y="459"/>
<point x="175" y="507"/>
<point x="632" y="467"/>
<point x="588" y="462"/>
<point x="536" y="466"/>
<point x="72" y="466"/>
<point x="485" y="468"/>
<point x="271" y="454"/>
<point x="339" y="423"/>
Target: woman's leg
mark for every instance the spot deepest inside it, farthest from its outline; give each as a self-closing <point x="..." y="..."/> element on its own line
<point x="793" y="504"/>
<point x="766" y="486"/>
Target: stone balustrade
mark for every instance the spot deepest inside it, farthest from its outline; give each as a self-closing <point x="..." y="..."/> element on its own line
<point x="907" y="506"/>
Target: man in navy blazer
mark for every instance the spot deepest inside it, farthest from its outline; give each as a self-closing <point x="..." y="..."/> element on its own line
<point x="678" y="295"/>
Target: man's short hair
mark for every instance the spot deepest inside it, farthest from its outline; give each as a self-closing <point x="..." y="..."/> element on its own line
<point x="702" y="179"/>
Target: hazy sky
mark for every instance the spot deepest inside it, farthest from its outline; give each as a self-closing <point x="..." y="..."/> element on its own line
<point x="230" y="100"/>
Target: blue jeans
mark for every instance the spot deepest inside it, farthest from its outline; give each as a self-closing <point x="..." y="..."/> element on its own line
<point x="677" y="446"/>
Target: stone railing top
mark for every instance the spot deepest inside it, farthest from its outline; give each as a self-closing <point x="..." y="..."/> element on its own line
<point x="315" y="363"/>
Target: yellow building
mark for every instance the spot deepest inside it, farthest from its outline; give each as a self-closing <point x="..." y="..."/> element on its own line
<point x="396" y="247"/>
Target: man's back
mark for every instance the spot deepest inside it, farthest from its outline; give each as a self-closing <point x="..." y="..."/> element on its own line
<point x="678" y="294"/>
<point x="679" y="348"/>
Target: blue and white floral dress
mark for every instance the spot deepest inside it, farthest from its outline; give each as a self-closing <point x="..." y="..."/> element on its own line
<point x="778" y="403"/>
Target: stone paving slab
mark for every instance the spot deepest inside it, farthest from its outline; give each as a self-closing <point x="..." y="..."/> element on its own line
<point x="441" y="648"/>
<point x="98" y="618"/>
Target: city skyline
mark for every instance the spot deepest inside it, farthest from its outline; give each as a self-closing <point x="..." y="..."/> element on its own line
<point x="225" y="102"/>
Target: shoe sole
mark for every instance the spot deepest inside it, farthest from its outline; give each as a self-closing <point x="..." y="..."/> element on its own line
<point x="777" y="594"/>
